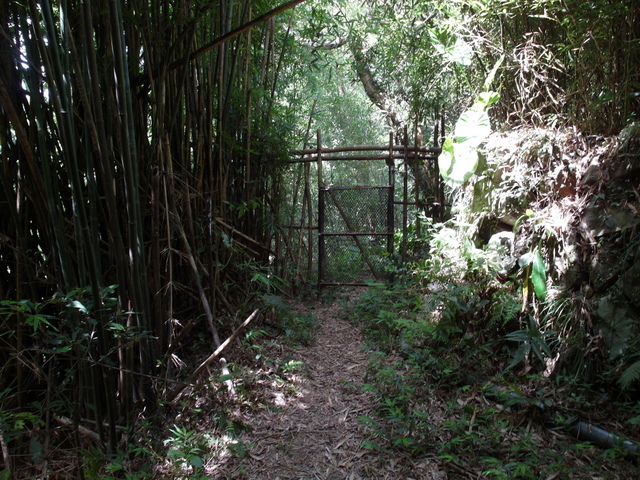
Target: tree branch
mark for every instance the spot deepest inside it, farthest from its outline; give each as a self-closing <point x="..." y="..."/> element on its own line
<point x="373" y="90"/>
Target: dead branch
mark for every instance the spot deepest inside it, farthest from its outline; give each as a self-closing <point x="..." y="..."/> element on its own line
<point x="221" y="222"/>
<point x="5" y="453"/>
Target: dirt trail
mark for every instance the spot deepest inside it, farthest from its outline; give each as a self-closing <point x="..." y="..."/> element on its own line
<point x="311" y="431"/>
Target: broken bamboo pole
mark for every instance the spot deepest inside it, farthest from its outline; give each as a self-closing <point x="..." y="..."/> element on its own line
<point x="211" y="358"/>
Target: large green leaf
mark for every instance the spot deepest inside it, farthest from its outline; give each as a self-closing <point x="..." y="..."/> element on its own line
<point x="453" y="48"/>
<point x="539" y="276"/>
<point x="473" y="127"/>
<point x="461" y="52"/>
<point x="458" y="161"/>
<point x="459" y="158"/>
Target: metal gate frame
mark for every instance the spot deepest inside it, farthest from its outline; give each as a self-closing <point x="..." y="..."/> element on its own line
<point x="390" y="153"/>
<point x="358" y="237"/>
<point x="324" y="190"/>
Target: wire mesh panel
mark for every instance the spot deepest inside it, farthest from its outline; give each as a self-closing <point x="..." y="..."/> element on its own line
<point x="356" y="209"/>
<point x="356" y="233"/>
<point x="348" y="262"/>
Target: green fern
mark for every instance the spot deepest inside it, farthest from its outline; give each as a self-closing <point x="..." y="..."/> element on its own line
<point x="630" y="375"/>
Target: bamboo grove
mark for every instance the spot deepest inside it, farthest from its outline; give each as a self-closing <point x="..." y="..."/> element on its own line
<point x="137" y="173"/>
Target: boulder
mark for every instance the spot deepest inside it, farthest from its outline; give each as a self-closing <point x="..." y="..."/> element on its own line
<point x="628" y="154"/>
<point x="592" y="175"/>
<point x="606" y="266"/>
<point x="609" y="212"/>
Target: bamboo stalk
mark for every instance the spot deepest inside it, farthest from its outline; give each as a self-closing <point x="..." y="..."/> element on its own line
<point x="138" y="281"/>
<point x="89" y="271"/>
<point x="191" y="259"/>
<point x="95" y="154"/>
<point x="306" y="198"/>
<point x="235" y="32"/>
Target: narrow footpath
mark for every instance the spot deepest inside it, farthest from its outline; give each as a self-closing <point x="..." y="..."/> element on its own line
<point x="310" y="430"/>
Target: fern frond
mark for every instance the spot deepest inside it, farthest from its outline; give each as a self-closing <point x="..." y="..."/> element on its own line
<point x="630" y="375"/>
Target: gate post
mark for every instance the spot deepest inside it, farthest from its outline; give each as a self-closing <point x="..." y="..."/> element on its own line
<point x="405" y="196"/>
<point x="320" y="211"/>
<point x="390" y="202"/>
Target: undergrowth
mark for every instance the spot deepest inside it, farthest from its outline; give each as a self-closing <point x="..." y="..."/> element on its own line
<point x="194" y="436"/>
<point x="447" y="335"/>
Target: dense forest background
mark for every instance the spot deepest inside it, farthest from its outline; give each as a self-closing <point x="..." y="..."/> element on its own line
<point x="144" y="149"/>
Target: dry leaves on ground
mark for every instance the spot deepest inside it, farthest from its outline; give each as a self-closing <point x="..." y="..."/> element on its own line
<point x="312" y="431"/>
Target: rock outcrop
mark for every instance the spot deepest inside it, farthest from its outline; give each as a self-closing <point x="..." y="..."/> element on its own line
<point x="576" y="199"/>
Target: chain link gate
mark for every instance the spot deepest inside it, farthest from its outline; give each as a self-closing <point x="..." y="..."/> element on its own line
<point x="355" y="232"/>
<point x="350" y="238"/>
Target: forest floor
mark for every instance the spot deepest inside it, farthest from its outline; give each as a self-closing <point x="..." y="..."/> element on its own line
<point x="307" y="427"/>
<point x="302" y="410"/>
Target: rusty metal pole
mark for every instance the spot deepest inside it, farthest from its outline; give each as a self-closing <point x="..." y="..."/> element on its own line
<point x="310" y="242"/>
<point x="321" y="193"/>
<point x="390" y="205"/>
<point x="405" y="198"/>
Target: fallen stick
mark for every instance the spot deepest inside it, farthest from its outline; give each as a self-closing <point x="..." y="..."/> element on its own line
<point x="172" y="396"/>
<point x="242" y="235"/>
<point x="82" y="430"/>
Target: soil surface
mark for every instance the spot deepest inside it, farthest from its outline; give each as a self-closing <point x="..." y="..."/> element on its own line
<point x="311" y="431"/>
